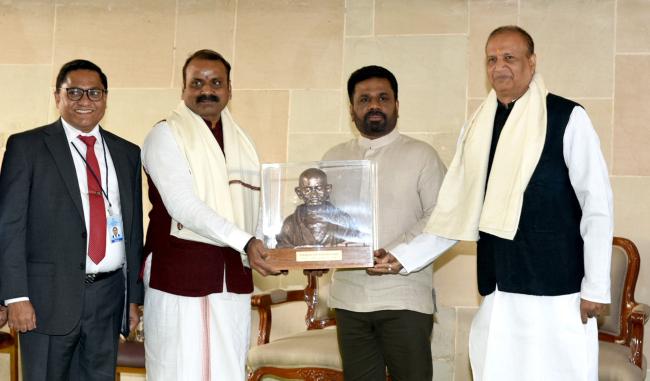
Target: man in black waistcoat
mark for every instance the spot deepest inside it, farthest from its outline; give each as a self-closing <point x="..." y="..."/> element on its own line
<point x="530" y="185"/>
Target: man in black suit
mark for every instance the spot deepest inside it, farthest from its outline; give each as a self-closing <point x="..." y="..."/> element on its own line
<point x="63" y="188"/>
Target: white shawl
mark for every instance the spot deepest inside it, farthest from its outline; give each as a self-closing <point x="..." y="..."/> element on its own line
<point x="229" y="185"/>
<point x="462" y="210"/>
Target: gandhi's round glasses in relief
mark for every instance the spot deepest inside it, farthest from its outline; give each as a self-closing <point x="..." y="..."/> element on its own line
<point x="75" y="93"/>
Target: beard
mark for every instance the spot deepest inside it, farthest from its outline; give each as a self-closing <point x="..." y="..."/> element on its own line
<point x="375" y="128"/>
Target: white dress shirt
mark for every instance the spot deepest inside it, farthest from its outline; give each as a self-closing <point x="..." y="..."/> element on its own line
<point x="115" y="252"/>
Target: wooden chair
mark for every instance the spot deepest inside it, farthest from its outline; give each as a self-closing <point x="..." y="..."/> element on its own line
<point x="9" y="344"/>
<point x="130" y="355"/>
<point x="311" y="355"/>
<point x="621" y="331"/>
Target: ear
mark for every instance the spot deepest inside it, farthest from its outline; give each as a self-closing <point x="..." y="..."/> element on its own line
<point x="397" y="107"/>
<point x="532" y="62"/>
<point x="328" y="188"/>
<point x="352" y="111"/>
<point x="57" y="97"/>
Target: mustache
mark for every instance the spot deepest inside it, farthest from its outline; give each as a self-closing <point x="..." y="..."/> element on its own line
<point x="207" y="98"/>
<point x="374" y="113"/>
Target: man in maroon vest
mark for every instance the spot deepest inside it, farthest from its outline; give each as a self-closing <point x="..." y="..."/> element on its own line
<point x="203" y="176"/>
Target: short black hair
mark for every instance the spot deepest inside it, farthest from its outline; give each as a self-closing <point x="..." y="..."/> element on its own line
<point x="367" y="72"/>
<point x="514" y="29"/>
<point x="206" y="54"/>
<point x="79" y="64"/>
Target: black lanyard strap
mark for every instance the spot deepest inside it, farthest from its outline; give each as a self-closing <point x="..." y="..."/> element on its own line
<point x="97" y="178"/>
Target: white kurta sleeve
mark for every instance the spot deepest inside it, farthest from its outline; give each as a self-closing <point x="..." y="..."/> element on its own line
<point x="590" y="181"/>
<point x="166" y="165"/>
<point x="421" y="251"/>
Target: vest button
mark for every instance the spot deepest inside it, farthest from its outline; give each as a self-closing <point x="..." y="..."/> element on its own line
<point x="83" y="235"/>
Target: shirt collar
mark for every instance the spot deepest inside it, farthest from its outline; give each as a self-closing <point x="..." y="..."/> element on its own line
<point x="385" y="140"/>
<point x="72" y="134"/>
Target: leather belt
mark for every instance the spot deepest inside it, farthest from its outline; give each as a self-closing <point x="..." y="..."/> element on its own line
<point x="96" y="277"/>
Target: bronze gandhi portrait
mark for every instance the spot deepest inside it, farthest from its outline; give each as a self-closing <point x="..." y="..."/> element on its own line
<point x="316" y="222"/>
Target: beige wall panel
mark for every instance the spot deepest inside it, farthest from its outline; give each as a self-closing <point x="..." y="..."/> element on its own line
<point x="311" y="147"/>
<point x="633" y="26"/>
<point x="359" y="17"/>
<point x="25" y="96"/>
<point x="431" y="72"/>
<point x="442" y="343"/>
<point x="444" y="144"/>
<point x="315" y="110"/>
<point x="574" y="44"/>
<point x="484" y="17"/>
<point x="443" y="369"/>
<point x="131" y="113"/>
<point x="455" y="276"/>
<point x="132" y="41"/>
<point x="463" y="371"/>
<point x="26" y="31"/>
<point x="631" y="115"/>
<point x="420" y="16"/>
<point x="632" y="221"/>
<point x="472" y="106"/>
<point x="600" y="113"/>
<point x="263" y="114"/>
<point x="286" y="44"/>
<point x="203" y="25"/>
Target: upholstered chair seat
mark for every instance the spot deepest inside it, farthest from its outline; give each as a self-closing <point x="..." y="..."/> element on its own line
<point x="621" y="327"/>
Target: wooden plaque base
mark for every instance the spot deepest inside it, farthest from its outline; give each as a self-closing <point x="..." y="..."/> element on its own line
<point x="314" y="258"/>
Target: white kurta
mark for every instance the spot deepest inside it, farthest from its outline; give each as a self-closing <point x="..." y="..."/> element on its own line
<point x="518" y="337"/>
<point x="191" y="338"/>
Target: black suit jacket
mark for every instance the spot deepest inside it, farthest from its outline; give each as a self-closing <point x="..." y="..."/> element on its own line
<point x="42" y="229"/>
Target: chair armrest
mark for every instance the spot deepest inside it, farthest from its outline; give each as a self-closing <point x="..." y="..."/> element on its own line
<point x="636" y="320"/>
<point x="264" y="301"/>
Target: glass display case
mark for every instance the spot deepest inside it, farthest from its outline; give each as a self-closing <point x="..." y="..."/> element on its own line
<point x="319" y="215"/>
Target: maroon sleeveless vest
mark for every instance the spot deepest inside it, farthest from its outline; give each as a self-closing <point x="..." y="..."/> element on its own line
<point x="189" y="268"/>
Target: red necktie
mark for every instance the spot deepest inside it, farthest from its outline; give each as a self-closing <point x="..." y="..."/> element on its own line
<point x="97" y="241"/>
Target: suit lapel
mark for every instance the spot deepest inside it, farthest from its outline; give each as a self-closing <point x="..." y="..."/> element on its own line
<point x="57" y="144"/>
<point x="122" y="171"/>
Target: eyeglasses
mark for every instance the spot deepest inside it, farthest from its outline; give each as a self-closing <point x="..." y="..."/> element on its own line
<point x="75" y="93"/>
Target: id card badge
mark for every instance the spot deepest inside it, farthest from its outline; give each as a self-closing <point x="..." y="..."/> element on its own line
<point x="115" y="228"/>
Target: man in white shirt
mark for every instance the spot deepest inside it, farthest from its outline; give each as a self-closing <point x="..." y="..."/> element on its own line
<point x="385" y="314"/>
<point x="203" y="175"/>
<point x="530" y="181"/>
<point x="63" y="188"/>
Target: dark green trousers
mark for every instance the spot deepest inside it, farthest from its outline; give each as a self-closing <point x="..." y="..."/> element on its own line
<point x="399" y="340"/>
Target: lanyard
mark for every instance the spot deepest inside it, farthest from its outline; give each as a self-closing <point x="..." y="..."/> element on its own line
<point x="97" y="179"/>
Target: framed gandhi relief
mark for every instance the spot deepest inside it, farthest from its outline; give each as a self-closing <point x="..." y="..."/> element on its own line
<point x="319" y="215"/>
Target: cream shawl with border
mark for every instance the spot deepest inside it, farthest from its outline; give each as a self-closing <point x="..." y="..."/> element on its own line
<point x="229" y="185"/>
<point x="464" y="206"/>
